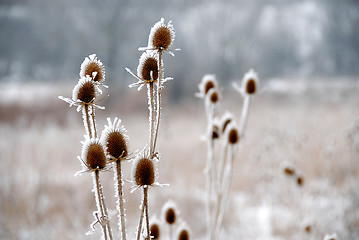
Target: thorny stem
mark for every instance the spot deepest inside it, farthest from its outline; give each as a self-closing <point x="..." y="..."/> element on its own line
<point x="141" y="218"/>
<point x="86" y="115"/>
<point x="151" y="109"/>
<point x="120" y="200"/>
<point x="159" y="88"/>
<point x="145" y="198"/>
<point x="105" y="212"/>
<point x="93" y="121"/>
<point x="99" y="203"/>
<point x="244" y="115"/>
<point x="226" y="187"/>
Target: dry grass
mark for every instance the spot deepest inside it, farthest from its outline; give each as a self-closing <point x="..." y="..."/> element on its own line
<point x="41" y="199"/>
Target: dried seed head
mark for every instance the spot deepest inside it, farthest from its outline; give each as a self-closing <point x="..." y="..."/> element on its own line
<point x="215" y="132"/>
<point x="148" y="67"/>
<point x="155" y="231"/>
<point x="226" y="119"/>
<point x="93" y="154"/>
<point x="250" y="82"/>
<point x="332" y="236"/>
<point x="183" y="235"/>
<point x="232" y="134"/>
<point x="114" y="139"/>
<point x="94" y="68"/>
<point x="84" y="91"/>
<point x="208" y="82"/>
<point x="289" y="171"/>
<point x="161" y="35"/>
<point x="214" y="97"/>
<point x="300" y="181"/>
<point x="170" y="212"/>
<point x="308" y="228"/>
<point x="143" y="171"/>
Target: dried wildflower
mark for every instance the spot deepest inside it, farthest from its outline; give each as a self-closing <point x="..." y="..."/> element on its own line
<point x="183" y="234"/>
<point x="208" y="82"/>
<point x="232" y="134"/>
<point x="250" y="83"/>
<point x="308" y="228"/>
<point x="300" y="181"/>
<point x="161" y="37"/>
<point x="155" y="230"/>
<point x="226" y="119"/>
<point x="94" y="68"/>
<point x="147" y="70"/>
<point x="84" y="93"/>
<point x="170" y="212"/>
<point x="215" y="132"/>
<point x="289" y="171"/>
<point x="114" y="139"/>
<point x="93" y="155"/>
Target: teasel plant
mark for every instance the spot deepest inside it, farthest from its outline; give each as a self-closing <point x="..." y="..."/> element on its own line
<point x="93" y="159"/>
<point x="150" y="74"/>
<point x="115" y="141"/>
<point x="219" y="171"/>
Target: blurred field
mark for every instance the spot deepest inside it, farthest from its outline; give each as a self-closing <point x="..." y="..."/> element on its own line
<point x="314" y="129"/>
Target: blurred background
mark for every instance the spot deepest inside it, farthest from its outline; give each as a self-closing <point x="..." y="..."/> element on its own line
<point x="306" y="54"/>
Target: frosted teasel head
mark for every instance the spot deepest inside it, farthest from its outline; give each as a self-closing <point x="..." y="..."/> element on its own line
<point x="212" y="97"/>
<point x="84" y="93"/>
<point x="183" y="232"/>
<point x="155" y="231"/>
<point x="226" y="119"/>
<point x="93" y="155"/>
<point x="115" y="140"/>
<point x="232" y="134"/>
<point x="170" y="212"/>
<point x="250" y="84"/>
<point x="161" y="37"/>
<point x="94" y="68"/>
<point x="147" y="70"/>
<point x="208" y="82"/>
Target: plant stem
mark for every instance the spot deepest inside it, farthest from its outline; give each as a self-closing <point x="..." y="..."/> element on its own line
<point x="99" y="203"/>
<point x="244" y="115"/>
<point x="145" y="199"/>
<point x="93" y="120"/>
<point x="151" y="109"/>
<point x="120" y="200"/>
<point x="159" y="88"/>
<point x="141" y="218"/>
<point x="87" y="120"/>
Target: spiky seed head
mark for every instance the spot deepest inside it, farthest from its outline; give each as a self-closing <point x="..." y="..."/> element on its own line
<point x="215" y="132"/>
<point x="161" y="35"/>
<point x="213" y="96"/>
<point x="143" y="171"/>
<point x="116" y="145"/>
<point x="93" y="154"/>
<point x="84" y="91"/>
<point x="155" y="231"/>
<point x="300" y="181"/>
<point x="148" y="66"/>
<point x="250" y="82"/>
<point x="208" y="82"/>
<point x="183" y="235"/>
<point x="94" y="68"/>
<point x="170" y="212"/>
<point x="227" y="118"/>
<point x="233" y="135"/>
<point x="289" y="171"/>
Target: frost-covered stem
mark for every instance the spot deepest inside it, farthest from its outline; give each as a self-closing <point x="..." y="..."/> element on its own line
<point x="139" y="228"/>
<point x="170" y="232"/>
<point x="96" y="178"/>
<point x="120" y="200"/>
<point x="226" y="186"/>
<point x="93" y="121"/>
<point x="151" y="108"/>
<point x="145" y="198"/>
<point x="159" y="88"/>
<point x="244" y="114"/>
<point x="87" y="120"/>
<point x="105" y="212"/>
<point x="209" y="169"/>
<point x="222" y="161"/>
